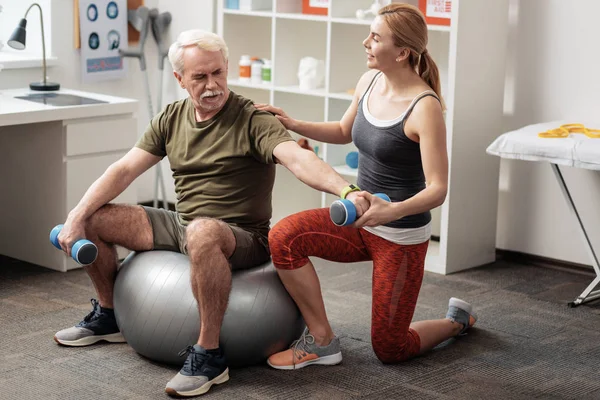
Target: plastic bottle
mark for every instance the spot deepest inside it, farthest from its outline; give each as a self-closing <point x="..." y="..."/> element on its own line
<point x="266" y="71"/>
<point x="232" y="4"/>
<point x="256" y="69"/>
<point x="245" y="64"/>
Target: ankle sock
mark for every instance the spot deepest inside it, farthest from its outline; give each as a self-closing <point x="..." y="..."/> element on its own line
<point x="460" y="316"/>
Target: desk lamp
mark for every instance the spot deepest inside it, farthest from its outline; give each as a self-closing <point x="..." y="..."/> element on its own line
<point x="17" y="41"/>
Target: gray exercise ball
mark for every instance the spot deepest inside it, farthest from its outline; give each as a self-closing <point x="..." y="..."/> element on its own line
<point x="158" y="314"/>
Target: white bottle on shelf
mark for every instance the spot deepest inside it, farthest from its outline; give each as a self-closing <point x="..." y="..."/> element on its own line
<point x="256" y="71"/>
<point x="245" y="65"/>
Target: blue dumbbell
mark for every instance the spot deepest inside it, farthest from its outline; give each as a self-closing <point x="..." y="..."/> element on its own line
<point x="83" y="251"/>
<point x="343" y="212"/>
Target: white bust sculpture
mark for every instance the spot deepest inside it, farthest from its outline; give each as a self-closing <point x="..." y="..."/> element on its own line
<point x="372" y="11"/>
<point x="311" y="73"/>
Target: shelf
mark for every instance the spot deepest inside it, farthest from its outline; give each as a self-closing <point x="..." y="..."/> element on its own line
<point x="13" y="60"/>
<point x="306" y="17"/>
<point x="283" y="34"/>
<point x="294" y="40"/>
<point x="237" y="82"/>
<point x="322" y="18"/>
<point x="296" y="89"/>
<point x="301" y="106"/>
<point x="356" y="21"/>
<point x="346" y="170"/>
<point x="340" y="96"/>
<point x="236" y="26"/>
<point x="290" y="89"/>
<point x="439" y="28"/>
<point x="248" y="13"/>
<point x="348" y="60"/>
<point x="335" y="112"/>
<point x="352" y="21"/>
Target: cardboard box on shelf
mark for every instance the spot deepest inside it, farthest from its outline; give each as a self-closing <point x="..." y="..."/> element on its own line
<point x="318" y="7"/>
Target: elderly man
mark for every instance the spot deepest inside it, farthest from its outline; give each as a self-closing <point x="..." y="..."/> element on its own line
<point x="222" y="151"/>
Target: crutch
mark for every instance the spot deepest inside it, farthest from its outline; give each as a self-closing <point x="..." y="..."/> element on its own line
<point x="140" y="20"/>
<point x="159" y="24"/>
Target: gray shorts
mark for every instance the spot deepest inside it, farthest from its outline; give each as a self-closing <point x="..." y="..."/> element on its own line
<point x="251" y="248"/>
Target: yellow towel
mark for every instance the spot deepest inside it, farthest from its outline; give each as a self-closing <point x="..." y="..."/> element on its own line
<point x="565" y="130"/>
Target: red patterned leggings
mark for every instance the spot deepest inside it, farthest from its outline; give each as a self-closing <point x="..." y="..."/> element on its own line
<point x="397" y="273"/>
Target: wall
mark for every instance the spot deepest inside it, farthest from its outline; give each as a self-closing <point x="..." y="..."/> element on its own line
<point x="13" y="11"/>
<point x="555" y="77"/>
<point x="186" y="14"/>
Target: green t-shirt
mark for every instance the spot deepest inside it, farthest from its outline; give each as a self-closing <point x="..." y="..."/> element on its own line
<point x="224" y="167"/>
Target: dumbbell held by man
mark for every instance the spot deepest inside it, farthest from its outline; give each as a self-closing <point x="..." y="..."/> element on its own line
<point x="83" y="251"/>
<point x="343" y="211"/>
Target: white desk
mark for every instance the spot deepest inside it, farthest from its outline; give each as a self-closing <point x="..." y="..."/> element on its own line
<point x="50" y="155"/>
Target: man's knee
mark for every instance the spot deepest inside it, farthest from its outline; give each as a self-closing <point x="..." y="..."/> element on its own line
<point x="206" y="235"/>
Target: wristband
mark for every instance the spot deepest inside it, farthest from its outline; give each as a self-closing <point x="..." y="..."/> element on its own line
<point x="349" y="189"/>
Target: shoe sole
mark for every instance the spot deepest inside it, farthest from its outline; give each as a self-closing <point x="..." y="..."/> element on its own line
<point x="333" y="359"/>
<point x="463" y="305"/>
<point x="89" y="340"/>
<point x="224" y="377"/>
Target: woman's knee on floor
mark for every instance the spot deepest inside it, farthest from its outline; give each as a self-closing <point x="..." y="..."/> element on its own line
<point x="390" y="356"/>
<point x="392" y="350"/>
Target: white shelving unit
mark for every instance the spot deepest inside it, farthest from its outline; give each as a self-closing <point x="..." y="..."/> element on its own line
<point x="472" y="86"/>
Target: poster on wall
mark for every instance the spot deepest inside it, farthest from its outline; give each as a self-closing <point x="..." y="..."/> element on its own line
<point x="103" y="30"/>
<point x="437" y="12"/>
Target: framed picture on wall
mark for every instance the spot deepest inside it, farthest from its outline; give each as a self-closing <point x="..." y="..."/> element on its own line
<point x="437" y="12"/>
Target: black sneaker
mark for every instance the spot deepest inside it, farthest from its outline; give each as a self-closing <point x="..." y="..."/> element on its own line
<point x="201" y="370"/>
<point x="99" y="324"/>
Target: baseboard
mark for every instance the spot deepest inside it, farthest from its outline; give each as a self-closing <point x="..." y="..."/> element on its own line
<point x="160" y="205"/>
<point x="530" y="259"/>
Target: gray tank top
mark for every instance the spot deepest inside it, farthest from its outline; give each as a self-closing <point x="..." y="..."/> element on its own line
<point x="389" y="162"/>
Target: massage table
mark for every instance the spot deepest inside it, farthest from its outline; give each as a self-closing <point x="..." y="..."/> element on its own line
<point x="559" y="148"/>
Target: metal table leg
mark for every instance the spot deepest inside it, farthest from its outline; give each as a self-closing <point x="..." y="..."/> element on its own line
<point x="589" y="293"/>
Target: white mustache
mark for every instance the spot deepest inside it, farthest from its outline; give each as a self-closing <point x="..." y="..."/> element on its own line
<point x="210" y="93"/>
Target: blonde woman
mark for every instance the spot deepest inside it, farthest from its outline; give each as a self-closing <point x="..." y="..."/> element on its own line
<point x="396" y="121"/>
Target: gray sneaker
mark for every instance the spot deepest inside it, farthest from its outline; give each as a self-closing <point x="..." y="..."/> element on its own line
<point x="462" y="312"/>
<point x="201" y="370"/>
<point x="100" y="324"/>
<point x="304" y="352"/>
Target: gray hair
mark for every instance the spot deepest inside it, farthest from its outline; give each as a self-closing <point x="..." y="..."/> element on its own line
<point x="203" y="39"/>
